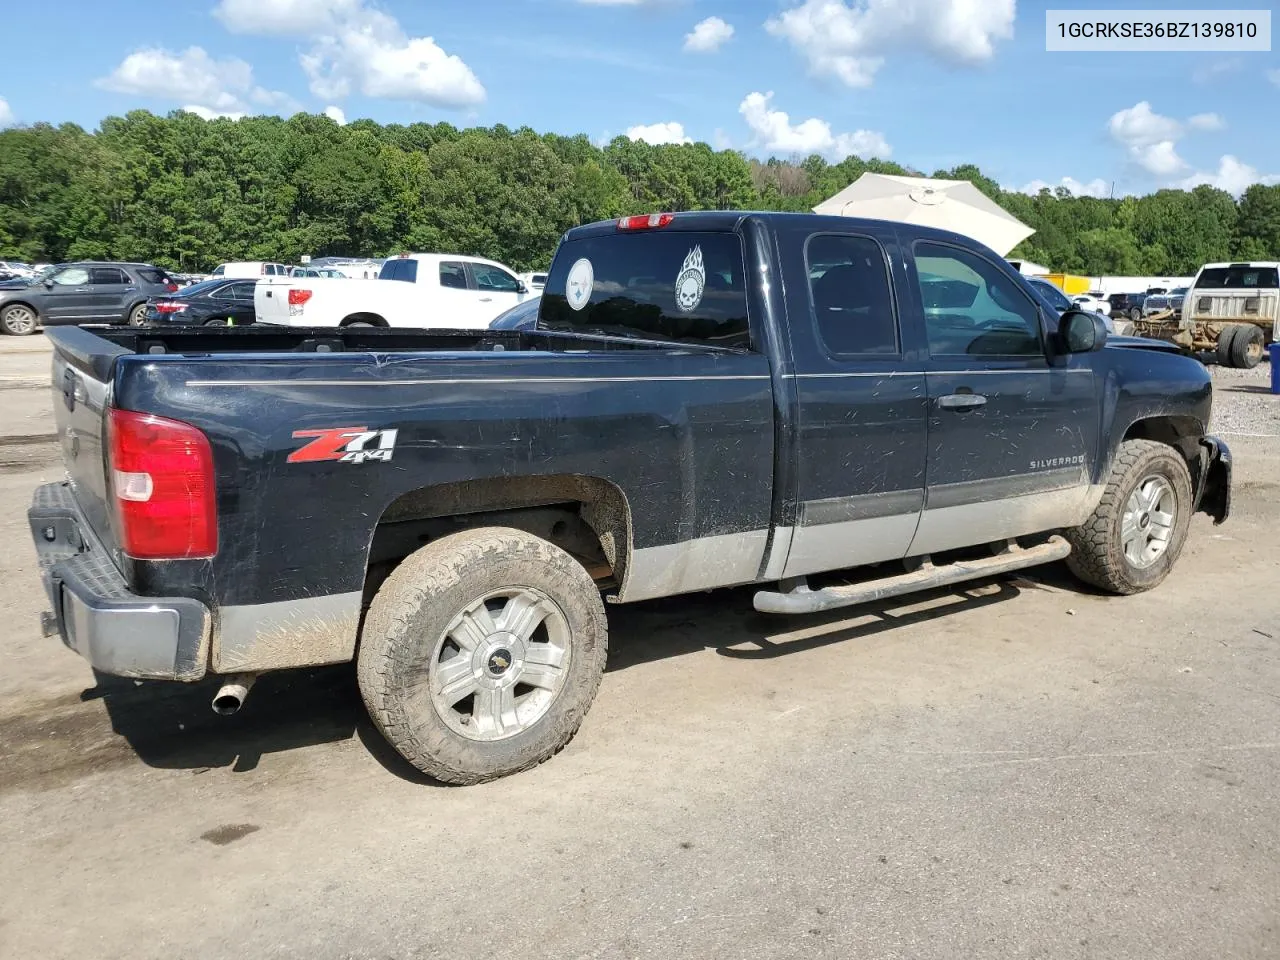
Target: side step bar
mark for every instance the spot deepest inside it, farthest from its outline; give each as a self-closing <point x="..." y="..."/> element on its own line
<point x="927" y="576"/>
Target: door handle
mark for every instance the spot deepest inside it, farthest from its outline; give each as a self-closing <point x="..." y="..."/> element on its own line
<point x="962" y="401"/>
<point x="486" y="299"/>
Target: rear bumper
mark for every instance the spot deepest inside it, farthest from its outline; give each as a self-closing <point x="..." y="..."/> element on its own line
<point x="1213" y="492"/>
<point x="118" y="632"/>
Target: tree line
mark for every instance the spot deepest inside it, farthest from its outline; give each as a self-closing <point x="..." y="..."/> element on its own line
<point x="187" y="193"/>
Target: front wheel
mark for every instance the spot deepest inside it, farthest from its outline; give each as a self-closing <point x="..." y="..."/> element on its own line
<point x="1137" y="531"/>
<point x="482" y="653"/>
<point x="18" y="320"/>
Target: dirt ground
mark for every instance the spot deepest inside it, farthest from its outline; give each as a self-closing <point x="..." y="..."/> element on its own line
<point x="1021" y="768"/>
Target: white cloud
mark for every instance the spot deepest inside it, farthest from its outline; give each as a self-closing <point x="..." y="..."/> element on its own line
<point x="772" y="130"/>
<point x="1232" y="175"/>
<point x="356" y="47"/>
<point x="216" y="87"/>
<point x="1150" y="138"/>
<point x="1094" y="188"/>
<point x="337" y="115"/>
<point x="208" y="114"/>
<point x="849" y="40"/>
<point x="1206" y="121"/>
<point x="659" y="133"/>
<point x="6" y="113"/>
<point x="708" y="36"/>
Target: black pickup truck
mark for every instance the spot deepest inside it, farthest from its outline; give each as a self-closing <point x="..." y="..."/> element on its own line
<point x="707" y="400"/>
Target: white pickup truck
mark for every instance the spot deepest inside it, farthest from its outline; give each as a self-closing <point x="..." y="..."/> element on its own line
<point x="412" y="290"/>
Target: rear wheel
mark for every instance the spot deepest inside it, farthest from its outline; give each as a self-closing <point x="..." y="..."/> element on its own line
<point x="1223" y="348"/>
<point x="1136" y="533"/>
<point x="138" y="315"/>
<point x="1247" y="347"/>
<point x="18" y="320"/>
<point x="216" y="322"/>
<point x="1135" y="314"/>
<point x="482" y="653"/>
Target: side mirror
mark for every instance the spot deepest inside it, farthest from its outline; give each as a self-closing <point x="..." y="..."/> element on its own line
<point x="48" y="284"/>
<point x="1081" y="331"/>
<point x="521" y="287"/>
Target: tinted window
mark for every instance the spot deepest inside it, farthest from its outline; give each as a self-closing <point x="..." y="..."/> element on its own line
<point x="1238" y="278"/>
<point x="540" y="279"/>
<point x="453" y="275"/>
<point x="203" y="287"/>
<point x="491" y="278"/>
<point x="234" y="291"/>
<point x="972" y="307"/>
<point x="1057" y="299"/>
<point x="152" y="275"/>
<point x="218" y="271"/>
<point x="71" y="277"/>
<point x="661" y="285"/>
<point x="852" y="300"/>
<point x="101" y="275"/>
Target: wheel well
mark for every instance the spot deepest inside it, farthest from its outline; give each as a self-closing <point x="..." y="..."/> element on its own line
<point x="586" y="517"/>
<point x="1181" y="433"/>
<point x="20" y="303"/>
<point x="372" y="318"/>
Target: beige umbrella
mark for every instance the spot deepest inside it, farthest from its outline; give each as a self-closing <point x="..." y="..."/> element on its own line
<point x="955" y="205"/>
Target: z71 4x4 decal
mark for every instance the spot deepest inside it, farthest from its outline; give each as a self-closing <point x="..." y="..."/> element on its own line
<point x="345" y="444"/>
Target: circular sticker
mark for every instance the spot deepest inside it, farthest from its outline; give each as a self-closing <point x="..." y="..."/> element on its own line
<point x="577" y="288"/>
<point x="691" y="281"/>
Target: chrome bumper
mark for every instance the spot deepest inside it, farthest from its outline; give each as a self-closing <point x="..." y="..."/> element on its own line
<point x="118" y="632"/>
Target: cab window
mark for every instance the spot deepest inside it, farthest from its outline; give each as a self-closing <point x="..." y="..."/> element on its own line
<point x="972" y="307"/>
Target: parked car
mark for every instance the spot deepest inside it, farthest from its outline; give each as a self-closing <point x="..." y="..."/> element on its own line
<point x="1127" y="305"/>
<point x="16" y="268"/>
<point x="534" y="281"/>
<point x="213" y="303"/>
<point x="413" y="290"/>
<point x="1237" y="307"/>
<point x="1160" y="302"/>
<point x="523" y="316"/>
<point x="685" y="417"/>
<point x="1060" y="301"/>
<point x="1094" y="302"/>
<point x="82" y="292"/>
<point x="250" y="268"/>
<point x="317" y="272"/>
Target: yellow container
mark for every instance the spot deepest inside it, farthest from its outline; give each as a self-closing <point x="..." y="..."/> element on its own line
<point x="1069" y="283"/>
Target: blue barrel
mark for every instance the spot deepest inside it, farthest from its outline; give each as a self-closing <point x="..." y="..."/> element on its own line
<point x="1275" y="367"/>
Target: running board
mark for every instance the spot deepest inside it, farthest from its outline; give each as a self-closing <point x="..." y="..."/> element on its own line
<point x="927" y="576"/>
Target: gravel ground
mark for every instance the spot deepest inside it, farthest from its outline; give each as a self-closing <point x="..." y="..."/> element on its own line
<point x="1243" y="404"/>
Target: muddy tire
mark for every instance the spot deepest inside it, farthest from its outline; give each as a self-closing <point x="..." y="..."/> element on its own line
<point x="1136" y="533"/>
<point x="1247" y="347"/>
<point x="1223" y="349"/>
<point x="482" y="653"/>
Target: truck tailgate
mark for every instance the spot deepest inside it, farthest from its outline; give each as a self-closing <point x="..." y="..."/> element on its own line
<point x="271" y="299"/>
<point x="81" y="394"/>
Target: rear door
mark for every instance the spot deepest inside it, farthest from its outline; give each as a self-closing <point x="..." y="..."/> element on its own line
<point x="497" y="291"/>
<point x="236" y="301"/>
<point x="859" y="456"/>
<point x="1012" y="438"/>
<point x="111" y="291"/>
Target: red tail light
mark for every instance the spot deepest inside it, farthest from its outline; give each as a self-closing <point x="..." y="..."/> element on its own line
<point x="170" y="307"/>
<point x="647" y="221"/>
<point x="298" y="297"/>
<point x="171" y="287"/>
<point x="162" y="487"/>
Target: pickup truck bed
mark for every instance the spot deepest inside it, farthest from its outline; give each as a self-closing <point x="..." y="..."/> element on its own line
<point x="708" y="400"/>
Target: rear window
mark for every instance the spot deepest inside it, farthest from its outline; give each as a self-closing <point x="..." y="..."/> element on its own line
<point x="657" y="285"/>
<point x="1239" y="278"/>
<point x="152" y="275"/>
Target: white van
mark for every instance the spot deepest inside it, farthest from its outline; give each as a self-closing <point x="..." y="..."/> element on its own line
<point x="1235" y="293"/>
<point x="246" y="269"/>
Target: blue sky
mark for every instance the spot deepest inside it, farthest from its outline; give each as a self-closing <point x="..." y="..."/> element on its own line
<point x="928" y="83"/>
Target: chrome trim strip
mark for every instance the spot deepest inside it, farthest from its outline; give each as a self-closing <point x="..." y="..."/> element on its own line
<point x="1003" y="488"/>
<point x="288" y="633"/>
<point x="457" y="382"/>
<point x="701" y="564"/>
<point x="882" y="374"/>
<point x="816" y="513"/>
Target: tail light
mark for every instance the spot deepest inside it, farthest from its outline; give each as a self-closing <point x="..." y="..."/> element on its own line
<point x="647" y="221"/>
<point x="162" y="487"/>
<point x="297" y="299"/>
<point x="170" y="307"/>
<point x="171" y="287"/>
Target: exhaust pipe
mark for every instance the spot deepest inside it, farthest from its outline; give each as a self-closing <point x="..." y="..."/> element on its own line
<point x="231" y="695"/>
